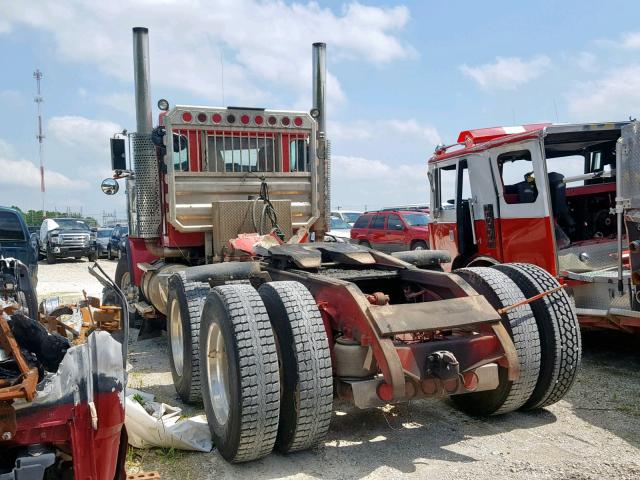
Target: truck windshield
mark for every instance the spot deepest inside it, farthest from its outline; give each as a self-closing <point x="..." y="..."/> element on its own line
<point x="416" y="219"/>
<point x="104" y="233"/>
<point x="10" y="227"/>
<point x="70" y="224"/>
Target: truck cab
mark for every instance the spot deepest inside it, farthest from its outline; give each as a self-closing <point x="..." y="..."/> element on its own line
<point x="543" y="194"/>
<point x="16" y="242"/>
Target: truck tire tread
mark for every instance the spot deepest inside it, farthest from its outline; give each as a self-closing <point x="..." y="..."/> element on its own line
<point x="253" y="371"/>
<point x="193" y="294"/>
<point x="500" y="291"/>
<point x="305" y="362"/>
<point x="559" y="333"/>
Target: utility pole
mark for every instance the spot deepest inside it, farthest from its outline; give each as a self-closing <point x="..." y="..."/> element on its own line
<point x="40" y="135"/>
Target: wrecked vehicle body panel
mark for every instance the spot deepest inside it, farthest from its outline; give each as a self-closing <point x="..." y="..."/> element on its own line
<point x="77" y="415"/>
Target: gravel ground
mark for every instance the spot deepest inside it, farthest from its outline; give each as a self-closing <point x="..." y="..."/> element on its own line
<point x="593" y="433"/>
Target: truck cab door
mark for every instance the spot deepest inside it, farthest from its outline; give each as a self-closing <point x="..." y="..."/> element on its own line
<point x="442" y="227"/>
<point x="484" y="206"/>
<point x="523" y="223"/>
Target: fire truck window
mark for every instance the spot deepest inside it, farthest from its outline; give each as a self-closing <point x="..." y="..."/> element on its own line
<point x="446" y="178"/>
<point x="378" y="222"/>
<point x="242" y="154"/>
<point x="298" y="158"/>
<point x="517" y="178"/>
<point x="180" y="153"/>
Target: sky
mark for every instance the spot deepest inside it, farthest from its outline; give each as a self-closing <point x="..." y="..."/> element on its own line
<point x="402" y="77"/>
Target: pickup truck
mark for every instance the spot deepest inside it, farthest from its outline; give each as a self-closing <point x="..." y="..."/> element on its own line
<point x="16" y="241"/>
<point x="67" y="237"/>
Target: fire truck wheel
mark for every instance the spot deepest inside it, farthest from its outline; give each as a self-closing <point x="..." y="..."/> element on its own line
<point x="500" y="291"/>
<point x="239" y="368"/>
<point x="184" y="307"/>
<point x="364" y="243"/>
<point x="559" y="332"/>
<point x="419" y="245"/>
<point x="305" y="365"/>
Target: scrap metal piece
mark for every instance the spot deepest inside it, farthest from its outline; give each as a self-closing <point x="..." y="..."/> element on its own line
<point x="27" y="388"/>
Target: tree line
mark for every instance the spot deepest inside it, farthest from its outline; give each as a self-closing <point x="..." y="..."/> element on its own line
<point x="34" y="218"/>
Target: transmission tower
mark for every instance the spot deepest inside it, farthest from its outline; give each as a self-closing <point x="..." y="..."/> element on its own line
<point x="40" y="135"/>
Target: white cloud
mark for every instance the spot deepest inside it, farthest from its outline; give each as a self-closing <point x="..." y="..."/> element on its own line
<point x="120" y="101"/>
<point x="631" y="40"/>
<point x="82" y="132"/>
<point x="507" y="73"/>
<point x="377" y="183"/>
<point x="615" y="96"/>
<point x="408" y="128"/>
<point x="26" y="173"/>
<point x="585" y="61"/>
<point x="261" y="41"/>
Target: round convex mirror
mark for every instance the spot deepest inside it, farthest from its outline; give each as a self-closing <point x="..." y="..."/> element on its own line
<point x="110" y="186"/>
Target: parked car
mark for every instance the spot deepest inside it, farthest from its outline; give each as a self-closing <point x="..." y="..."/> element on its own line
<point x="392" y="230"/>
<point x="340" y="231"/>
<point x="115" y="242"/>
<point x="16" y="241"/>
<point x="66" y="237"/>
<point x="103" y="235"/>
<point x="418" y="207"/>
<point x="349" y="216"/>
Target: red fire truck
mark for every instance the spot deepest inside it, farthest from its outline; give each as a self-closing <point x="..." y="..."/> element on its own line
<point x="265" y="325"/>
<point x="563" y="197"/>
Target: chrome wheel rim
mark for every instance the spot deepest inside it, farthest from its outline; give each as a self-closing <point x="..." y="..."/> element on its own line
<point x="125" y="281"/>
<point x="177" y="343"/>
<point x="218" y="373"/>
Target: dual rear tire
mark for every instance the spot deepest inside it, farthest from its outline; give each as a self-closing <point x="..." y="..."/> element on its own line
<point x="265" y="368"/>
<point x="545" y="333"/>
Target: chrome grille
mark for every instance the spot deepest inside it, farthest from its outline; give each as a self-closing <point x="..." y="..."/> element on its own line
<point x="74" y="239"/>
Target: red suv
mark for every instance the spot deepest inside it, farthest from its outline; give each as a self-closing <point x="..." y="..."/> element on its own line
<point x="392" y="230"/>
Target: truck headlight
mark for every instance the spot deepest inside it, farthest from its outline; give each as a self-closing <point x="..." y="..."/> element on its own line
<point x="55" y="240"/>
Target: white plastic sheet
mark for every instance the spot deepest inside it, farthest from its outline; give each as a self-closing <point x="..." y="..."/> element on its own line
<point x="160" y="425"/>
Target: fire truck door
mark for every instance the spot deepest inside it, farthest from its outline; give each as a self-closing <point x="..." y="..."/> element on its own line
<point x="442" y="228"/>
<point x="523" y="221"/>
<point x="484" y="206"/>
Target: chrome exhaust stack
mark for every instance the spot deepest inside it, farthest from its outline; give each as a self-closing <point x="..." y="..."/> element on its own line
<point x="141" y="79"/>
<point x="146" y="223"/>
<point x="324" y="148"/>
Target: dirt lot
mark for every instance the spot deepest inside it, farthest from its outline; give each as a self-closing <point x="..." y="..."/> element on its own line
<point x="593" y="433"/>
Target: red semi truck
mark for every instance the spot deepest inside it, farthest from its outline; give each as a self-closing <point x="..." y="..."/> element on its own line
<point x="265" y="325"/>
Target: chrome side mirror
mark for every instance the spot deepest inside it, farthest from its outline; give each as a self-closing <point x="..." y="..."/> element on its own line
<point x="109" y="186"/>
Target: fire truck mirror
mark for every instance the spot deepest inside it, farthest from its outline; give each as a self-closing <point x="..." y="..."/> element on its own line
<point x="110" y="186"/>
<point x="118" y="157"/>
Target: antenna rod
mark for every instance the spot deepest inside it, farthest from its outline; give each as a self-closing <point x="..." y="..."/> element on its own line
<point x="40" y="135"/>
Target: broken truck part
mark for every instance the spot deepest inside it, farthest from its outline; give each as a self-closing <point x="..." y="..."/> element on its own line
<point x="61" y="406"/>
<point x="265" y="324"/>
<point x="564" y="197"/>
